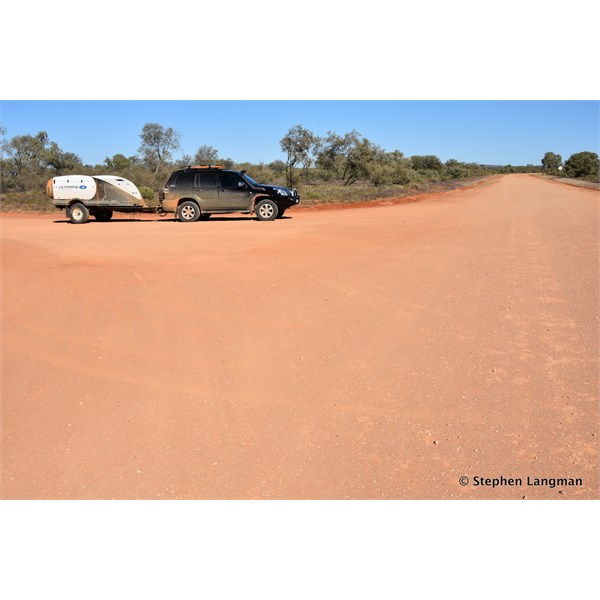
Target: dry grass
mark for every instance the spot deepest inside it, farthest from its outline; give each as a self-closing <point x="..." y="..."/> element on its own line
<point x="594" y="185"/>
<point x="26" y="202"/>
<point x="310" y="195"/>
<point x="315" y="195"/>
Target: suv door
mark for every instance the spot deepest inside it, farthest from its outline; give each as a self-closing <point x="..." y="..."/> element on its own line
<point x="234" y="193"/>
<point x="206" y="189"/>
<point x="183" y="186"/>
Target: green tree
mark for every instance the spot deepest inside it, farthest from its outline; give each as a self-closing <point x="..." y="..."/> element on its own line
<point x="184" y="161"/>
<point x="426" y="163"/>
<point x="551" y="163"/>
<point x="206" y="155"/>
<point x="401" y="168"/>
<point x="362" y="158"/>
<point x="299" y="145"/>
<point x="278" y="166"/>
<point x="455" y="169"/>
<point x="29" y="160"/>
<point x="25" y="154"/>
<point x="351" y="157"/>
<point x="158" y="145"/>
<point x="583" y="164"/>
<point x="332" y="154"/>
<point x="58" y="160"/>
<point x="119" y="162"/>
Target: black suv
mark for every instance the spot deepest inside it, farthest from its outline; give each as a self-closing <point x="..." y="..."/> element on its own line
<point x="197" y="192"/>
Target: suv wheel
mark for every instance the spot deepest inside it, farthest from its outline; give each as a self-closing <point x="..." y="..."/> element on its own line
<point x="78" y="213"/>
<point x="266" y="210"/>
<point x="188" y="212"/>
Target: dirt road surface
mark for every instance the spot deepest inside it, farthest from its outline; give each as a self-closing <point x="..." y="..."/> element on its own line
<point x="371" y="353"/>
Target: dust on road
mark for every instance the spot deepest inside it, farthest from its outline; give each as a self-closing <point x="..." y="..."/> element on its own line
<point x="380" y="352"/>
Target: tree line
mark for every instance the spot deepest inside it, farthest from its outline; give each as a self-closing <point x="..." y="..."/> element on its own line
<point x="28" y="161"/>
<point x="584" y="165"/>
<point x="346" y="159"/>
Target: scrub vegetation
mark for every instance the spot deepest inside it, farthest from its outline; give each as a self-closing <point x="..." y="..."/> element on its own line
<point x="332" y="169"/>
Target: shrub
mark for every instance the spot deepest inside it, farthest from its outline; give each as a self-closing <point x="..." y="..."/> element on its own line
<point x="583" y="164"/>
<point x="147" y="192"/>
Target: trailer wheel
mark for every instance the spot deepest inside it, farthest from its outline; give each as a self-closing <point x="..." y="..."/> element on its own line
<point x="78" y="213"/>
<point x="188" y="212"/>
<point x="266" y="210"/>
<point x="103" y="214"/>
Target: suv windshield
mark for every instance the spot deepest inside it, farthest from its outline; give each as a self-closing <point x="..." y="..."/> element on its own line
<point x="249" y="179"/>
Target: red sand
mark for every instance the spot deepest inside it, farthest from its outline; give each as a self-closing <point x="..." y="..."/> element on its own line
<point x="382" y="352"/>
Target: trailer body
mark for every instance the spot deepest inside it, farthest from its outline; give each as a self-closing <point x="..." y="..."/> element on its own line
<point x="96" y="190"/>
<point x="96" y="195"/>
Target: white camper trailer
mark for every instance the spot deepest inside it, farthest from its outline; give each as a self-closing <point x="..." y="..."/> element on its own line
<point x="97" y="195"/>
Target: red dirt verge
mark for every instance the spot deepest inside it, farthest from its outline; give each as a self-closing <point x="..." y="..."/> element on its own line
<point x="436" y="349"/>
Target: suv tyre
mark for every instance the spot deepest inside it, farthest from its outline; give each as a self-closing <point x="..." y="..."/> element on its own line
<point x="266" y="210"/>
<point x="188" y="212"/>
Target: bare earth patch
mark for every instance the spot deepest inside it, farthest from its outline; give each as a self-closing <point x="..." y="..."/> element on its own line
<point x="382" y="352"/>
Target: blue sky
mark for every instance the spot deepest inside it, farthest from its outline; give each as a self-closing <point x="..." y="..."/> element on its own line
<point x="488" y="132"/>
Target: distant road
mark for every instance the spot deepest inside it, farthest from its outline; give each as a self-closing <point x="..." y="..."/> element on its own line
<point x="380" y="352"/>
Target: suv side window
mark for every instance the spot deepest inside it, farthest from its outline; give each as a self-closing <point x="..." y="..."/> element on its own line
<point x="207" y="180"/>
<point x="171" y="181"/>
<point x="229" y="180"/>
<point x="186" y="179"/>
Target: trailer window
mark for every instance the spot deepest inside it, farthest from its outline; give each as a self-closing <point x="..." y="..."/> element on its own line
<point x="207" y="180"/>
<point x="186" y="179"/>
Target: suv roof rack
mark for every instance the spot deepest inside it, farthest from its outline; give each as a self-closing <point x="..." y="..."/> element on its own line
<point x="204" y="166"/>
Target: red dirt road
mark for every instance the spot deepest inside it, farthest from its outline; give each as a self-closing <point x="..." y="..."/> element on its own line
<point x="379" y="352"/>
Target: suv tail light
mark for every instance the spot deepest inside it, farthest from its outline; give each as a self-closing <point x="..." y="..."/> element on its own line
<point x="164" y="190"/>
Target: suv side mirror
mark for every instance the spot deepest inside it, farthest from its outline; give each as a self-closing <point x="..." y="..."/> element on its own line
<point x="242" y="185"/>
